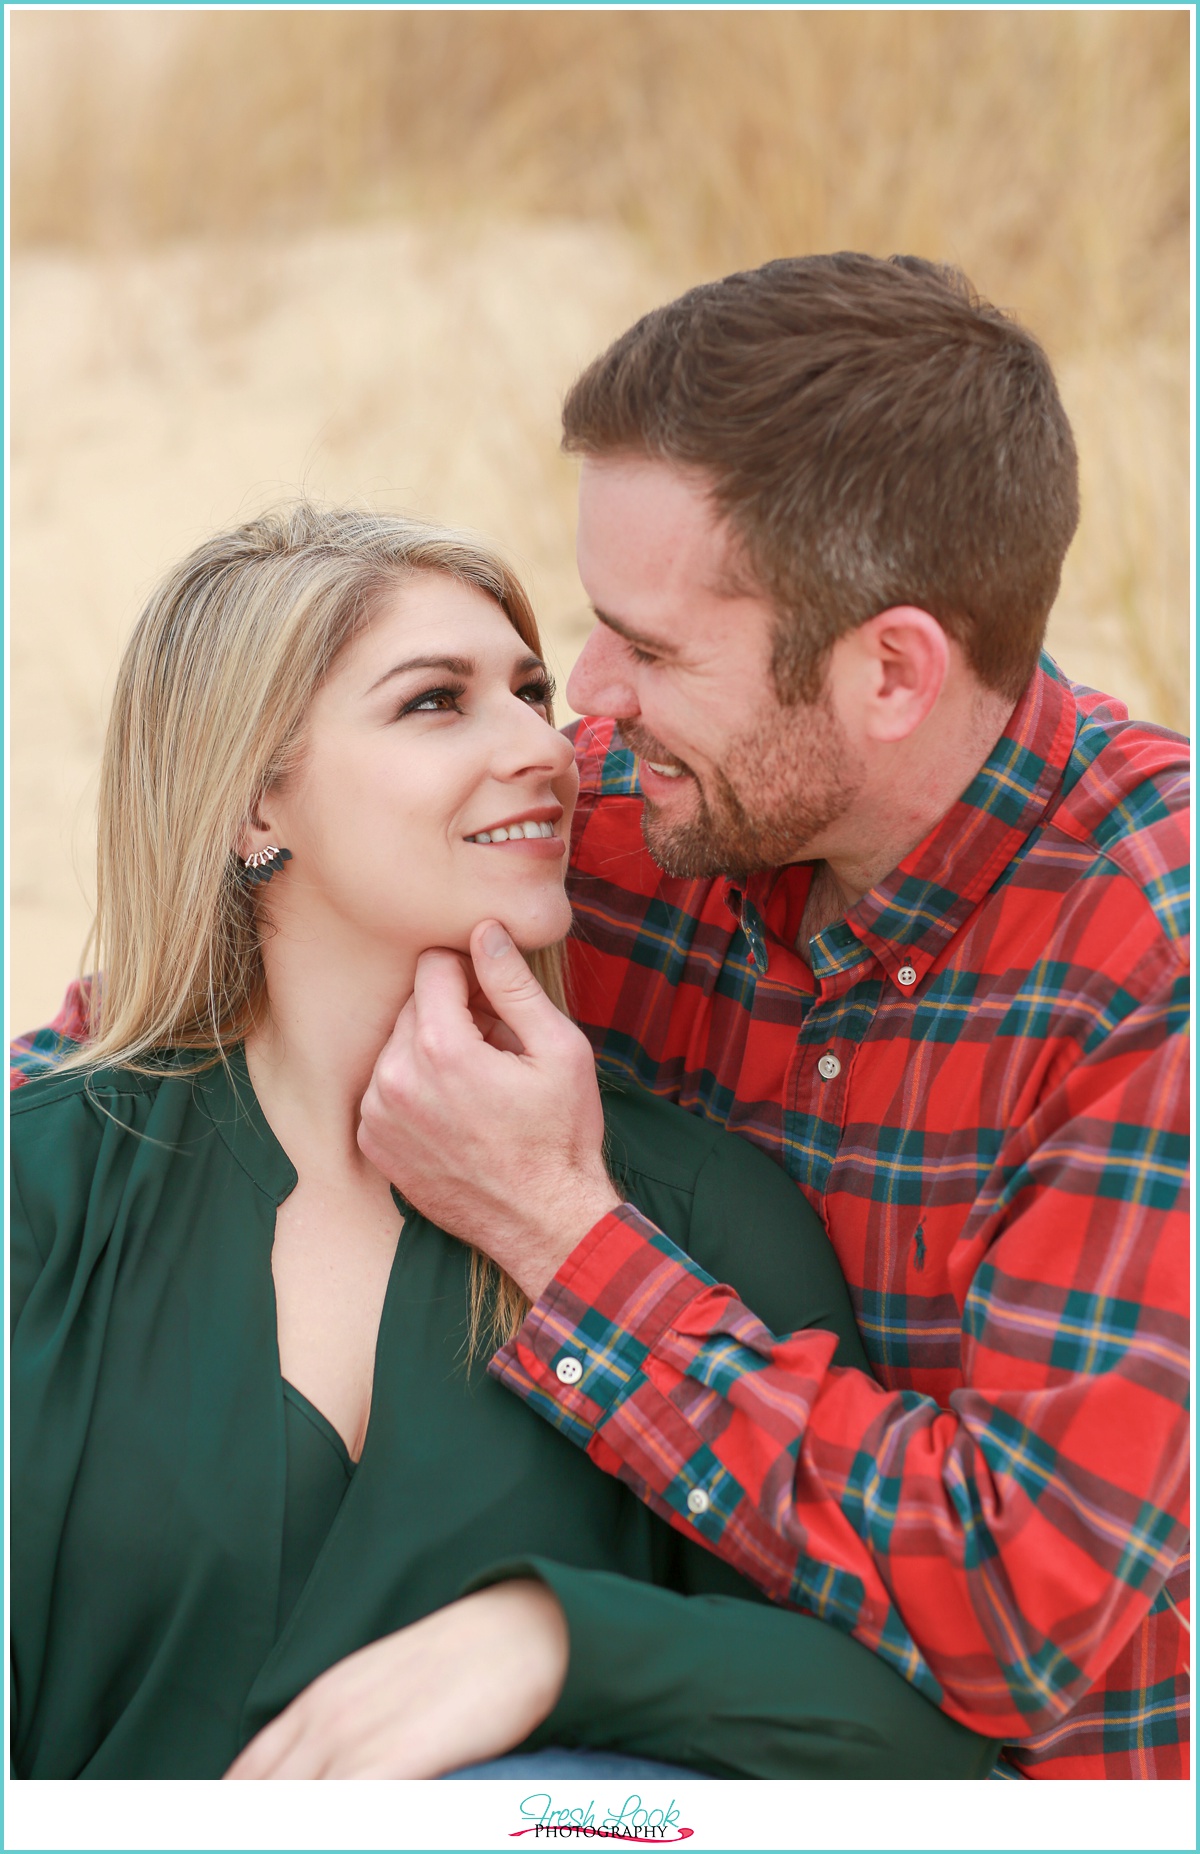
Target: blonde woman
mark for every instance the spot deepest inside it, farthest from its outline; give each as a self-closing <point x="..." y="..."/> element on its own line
<point x="270" y="1516"/>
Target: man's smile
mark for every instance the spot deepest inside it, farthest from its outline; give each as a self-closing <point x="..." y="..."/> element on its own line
<point x="661" y="780"/>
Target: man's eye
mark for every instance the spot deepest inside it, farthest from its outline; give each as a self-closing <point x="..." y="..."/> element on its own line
<point x="641" y="656"/>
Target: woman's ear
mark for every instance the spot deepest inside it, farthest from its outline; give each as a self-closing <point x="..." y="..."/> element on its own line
<point x="255" y="833"/>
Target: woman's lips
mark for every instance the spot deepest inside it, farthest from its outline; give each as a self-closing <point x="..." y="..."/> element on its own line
<point x="530" y="832"/>
<point x="542" y="849"/>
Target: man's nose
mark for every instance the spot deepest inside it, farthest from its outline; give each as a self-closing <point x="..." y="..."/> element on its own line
<point x="600" y="683"/>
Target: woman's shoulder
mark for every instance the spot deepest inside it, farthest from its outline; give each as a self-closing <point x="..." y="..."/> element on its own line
<point x="80" y="1141"/>
<point x="67" y="1127"/>
<point x="653" y="1138"/>
<point x="59" y="1135"/>
<point x="51" y="1089"/>
<point x="731" y="1207"/>
<point x="62" y="1106"/>
<point x="64" y="1112"/>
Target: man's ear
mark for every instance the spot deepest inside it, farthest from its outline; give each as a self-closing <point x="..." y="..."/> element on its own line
<point x="904" y="659"/>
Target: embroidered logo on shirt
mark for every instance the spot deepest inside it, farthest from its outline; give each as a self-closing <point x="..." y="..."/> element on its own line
<point x="755" y="932"/>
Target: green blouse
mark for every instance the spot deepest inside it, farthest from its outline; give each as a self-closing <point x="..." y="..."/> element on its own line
<point x="183" y="1563"/>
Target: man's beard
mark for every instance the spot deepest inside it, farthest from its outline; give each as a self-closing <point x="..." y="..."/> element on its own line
<point x="777" y="791"/>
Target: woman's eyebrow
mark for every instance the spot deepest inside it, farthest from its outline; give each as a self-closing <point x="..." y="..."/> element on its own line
<point x="465" y="667"/>
<point x="454" y="666"/>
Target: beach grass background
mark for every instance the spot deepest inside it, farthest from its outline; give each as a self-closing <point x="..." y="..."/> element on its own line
<point x="362" y="254"/>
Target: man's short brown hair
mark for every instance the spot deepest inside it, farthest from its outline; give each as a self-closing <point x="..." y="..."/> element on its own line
<point x="875" y="433"/>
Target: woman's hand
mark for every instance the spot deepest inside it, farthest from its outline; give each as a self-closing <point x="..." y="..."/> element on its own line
<point x="466" y="1683"/>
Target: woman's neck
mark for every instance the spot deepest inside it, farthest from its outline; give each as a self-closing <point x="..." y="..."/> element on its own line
<point x="331" y="1010"/>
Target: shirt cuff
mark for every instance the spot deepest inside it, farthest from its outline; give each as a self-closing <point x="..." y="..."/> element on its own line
<point x="582" y="1346"/>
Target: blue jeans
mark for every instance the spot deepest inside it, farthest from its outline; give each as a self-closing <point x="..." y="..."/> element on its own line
<point x="556" y="1761"/>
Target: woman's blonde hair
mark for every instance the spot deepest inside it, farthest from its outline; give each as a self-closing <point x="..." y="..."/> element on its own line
<point x="208" y="714"/>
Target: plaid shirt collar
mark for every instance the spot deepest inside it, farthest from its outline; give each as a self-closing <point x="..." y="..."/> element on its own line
<point x="916" y="911"/>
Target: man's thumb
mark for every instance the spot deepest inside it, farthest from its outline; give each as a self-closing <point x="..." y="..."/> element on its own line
<point x="507" y="983"/>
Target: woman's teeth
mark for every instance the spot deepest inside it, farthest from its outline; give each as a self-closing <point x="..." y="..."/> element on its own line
<point x="506" y="832"/>
<point x="667" y="772"/>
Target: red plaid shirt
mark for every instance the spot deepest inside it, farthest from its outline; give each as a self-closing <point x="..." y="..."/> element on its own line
<point x="979" y="1078"/>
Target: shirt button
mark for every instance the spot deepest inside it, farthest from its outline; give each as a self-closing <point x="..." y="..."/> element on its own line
<point x="698" y="1501"/>
<point x="907" y="975"/>
<point x="568" y="1370"/>
<point x="829" y="1066"/>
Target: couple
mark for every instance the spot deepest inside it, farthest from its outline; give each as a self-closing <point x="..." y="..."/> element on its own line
<point x="911" y="923"/>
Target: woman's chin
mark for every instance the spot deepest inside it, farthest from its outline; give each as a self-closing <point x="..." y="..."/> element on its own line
<point x="534" y="930"/>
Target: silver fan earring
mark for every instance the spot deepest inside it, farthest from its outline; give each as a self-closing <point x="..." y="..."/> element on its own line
<point x="261" y="865"/>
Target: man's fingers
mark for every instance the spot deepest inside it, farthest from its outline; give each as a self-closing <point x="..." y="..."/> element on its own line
<point x="495" y="1031"/>
<point x="510" y="987"/>
<point x="452" y="1013"/>
<point x="435" y="1021"/>
<point x="451" y="1009"/>
<point x="491" y="1028"/>
<point x="442" y="990"/>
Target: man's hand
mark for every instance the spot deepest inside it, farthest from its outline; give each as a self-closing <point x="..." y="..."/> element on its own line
<point x="484" y="1112"/>
<point x="467" y="1683"/>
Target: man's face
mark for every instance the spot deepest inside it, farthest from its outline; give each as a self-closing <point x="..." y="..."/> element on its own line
<point x="732" y="780"/>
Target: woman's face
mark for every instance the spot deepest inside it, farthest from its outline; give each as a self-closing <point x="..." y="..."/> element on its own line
<point x="429" y="731"/>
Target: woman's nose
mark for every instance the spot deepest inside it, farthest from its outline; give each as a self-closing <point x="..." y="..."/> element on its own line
<point x="534" y="745"/>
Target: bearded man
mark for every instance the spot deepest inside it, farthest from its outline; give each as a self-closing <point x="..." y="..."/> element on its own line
<point x="860" y="875"/>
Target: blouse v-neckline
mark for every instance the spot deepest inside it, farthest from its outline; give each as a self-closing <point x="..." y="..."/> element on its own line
<point x="320" y="1422"/>
<point x="226" y="1094"/>
<point x="319" y="1472"/>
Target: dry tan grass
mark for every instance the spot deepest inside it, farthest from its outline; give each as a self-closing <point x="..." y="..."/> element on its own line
<point x="365" y="252"/>
<point x="1048" y="152"/>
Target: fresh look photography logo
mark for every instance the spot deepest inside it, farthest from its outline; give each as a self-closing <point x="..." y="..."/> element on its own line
<point x="633" y="1821"/>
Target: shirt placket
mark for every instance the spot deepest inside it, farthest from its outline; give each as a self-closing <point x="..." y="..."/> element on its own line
<point x="836" y="991"/>
<point x="837" y="1022"/>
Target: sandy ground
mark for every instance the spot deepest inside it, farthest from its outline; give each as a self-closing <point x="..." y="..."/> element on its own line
<point x="156" y="398"/>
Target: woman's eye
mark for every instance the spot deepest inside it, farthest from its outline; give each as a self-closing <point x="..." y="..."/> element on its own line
<point x="434" y="701"/>
<point x="538" y="694"/>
